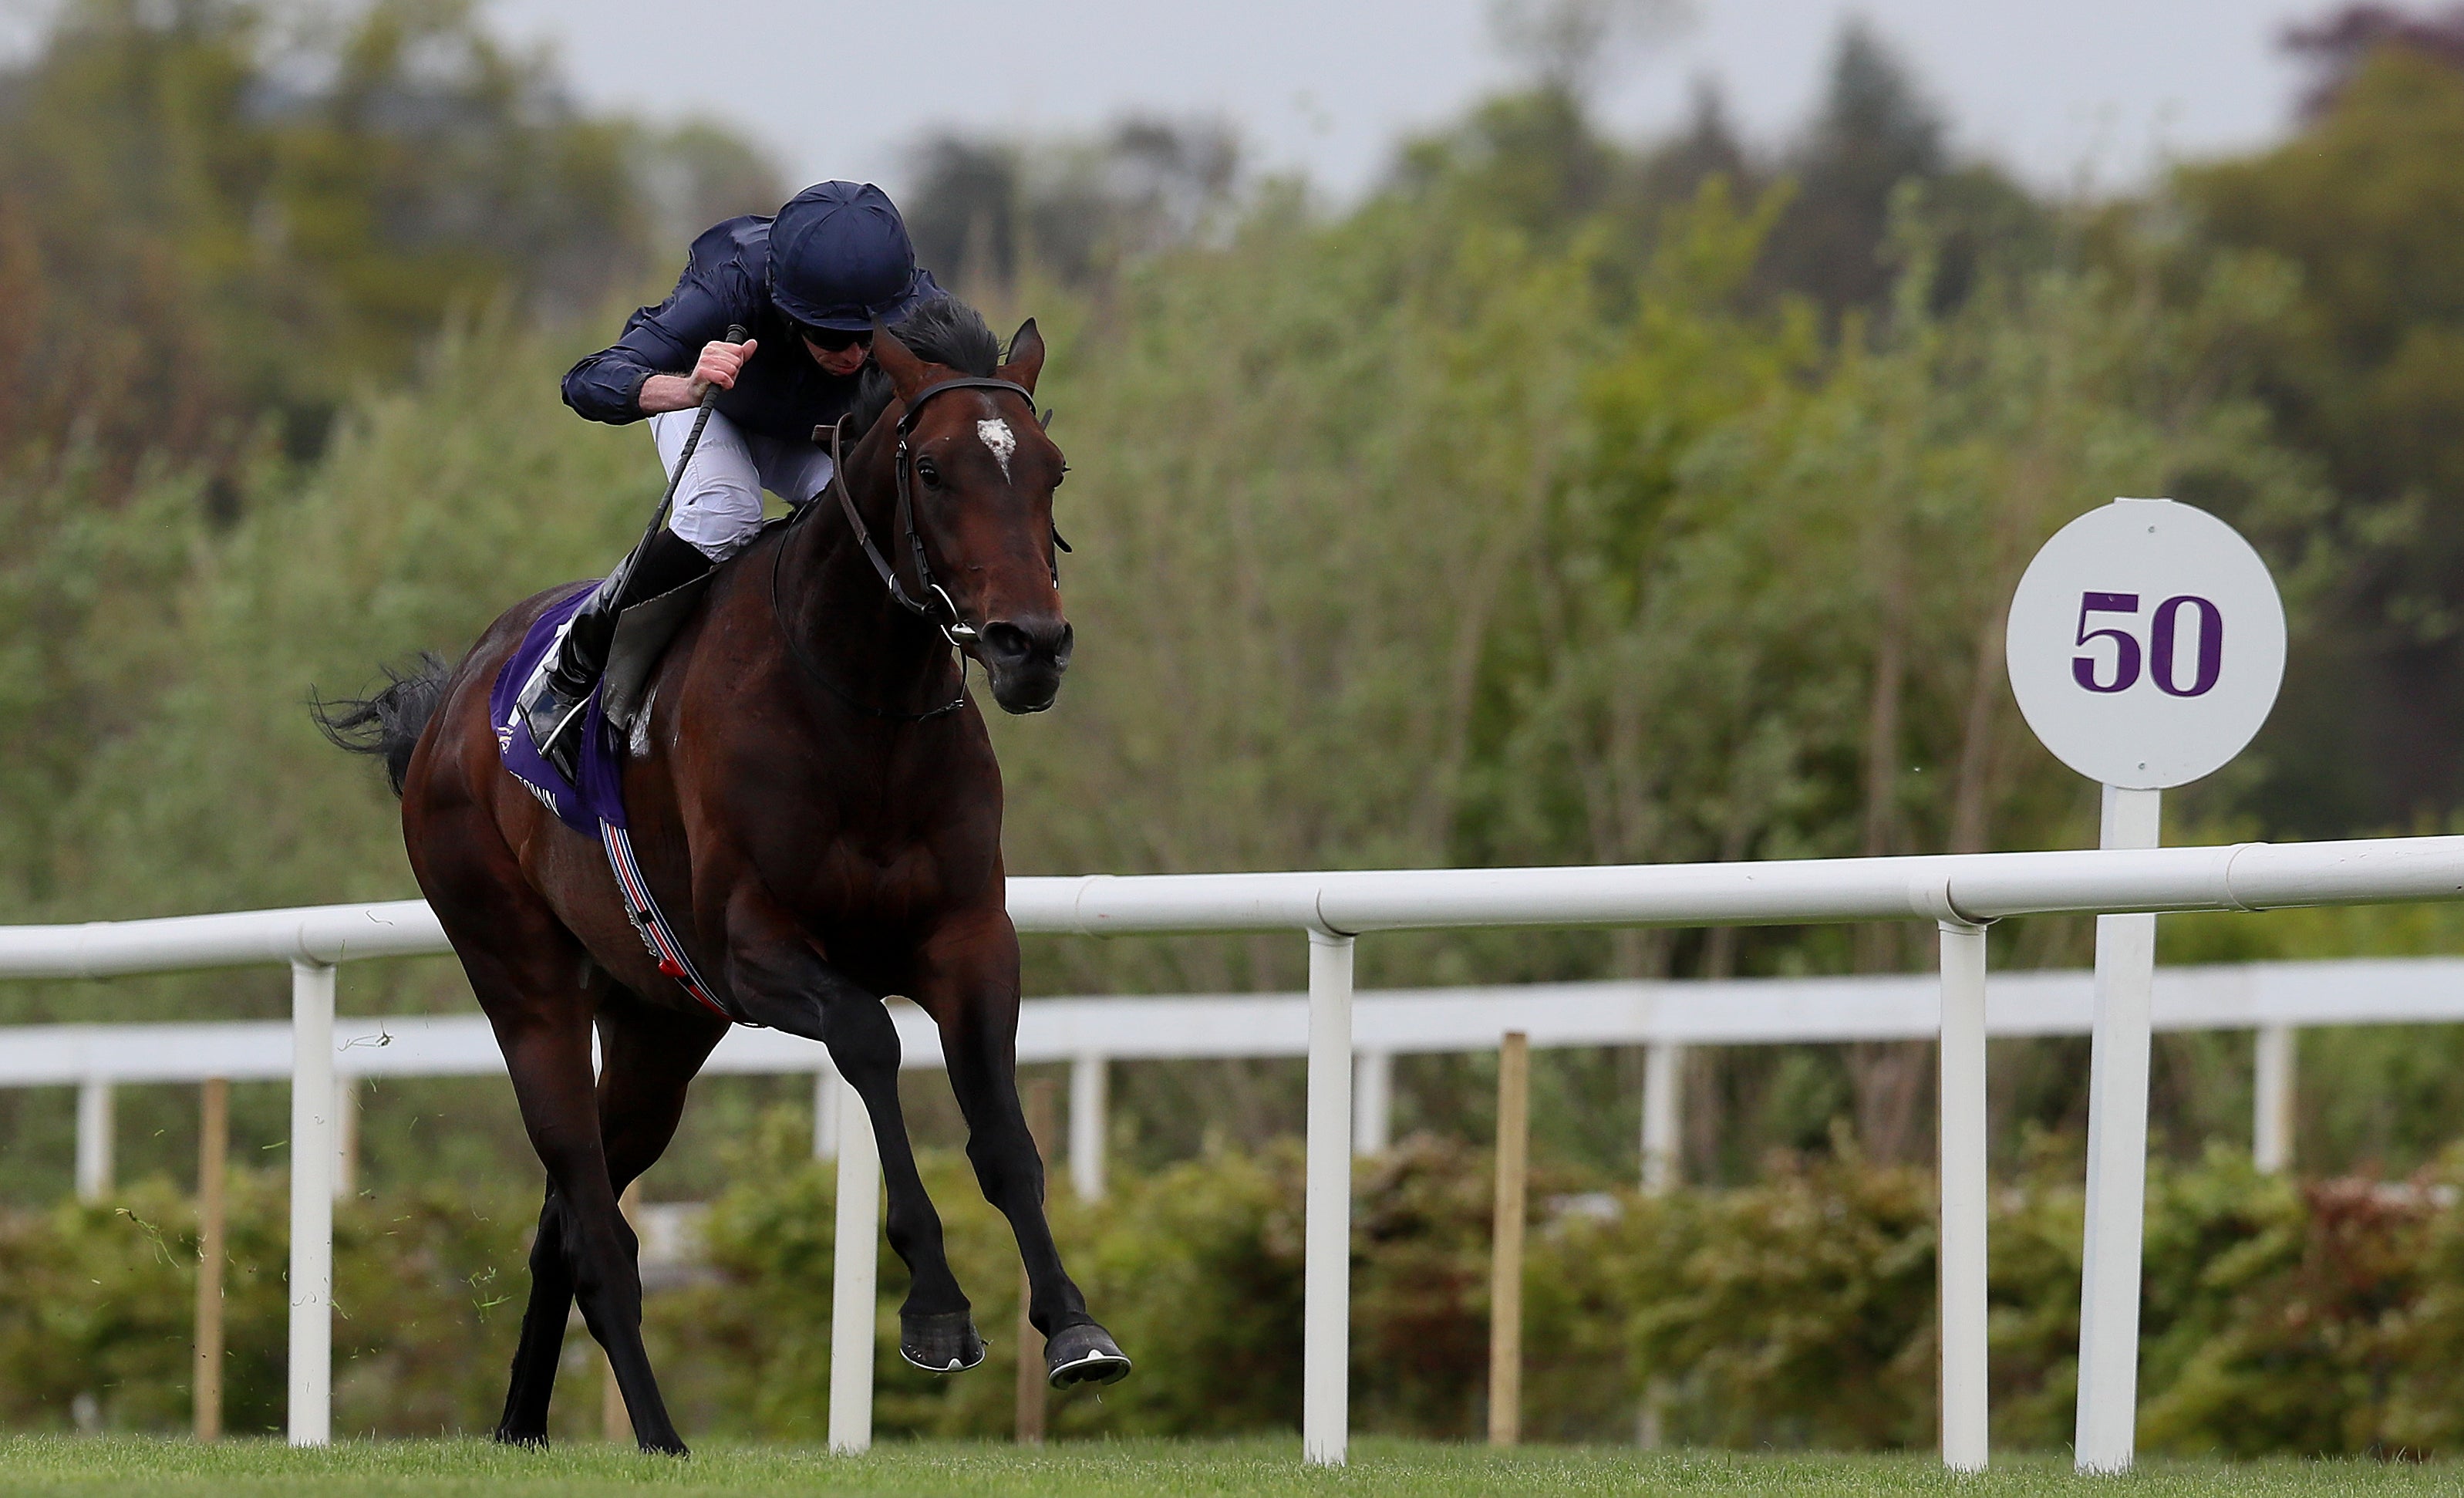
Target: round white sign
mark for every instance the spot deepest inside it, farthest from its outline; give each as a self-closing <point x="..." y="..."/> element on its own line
<point x="2146" y="644"/>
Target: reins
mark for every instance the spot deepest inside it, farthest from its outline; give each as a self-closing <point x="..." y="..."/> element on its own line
<point x="812" y="669"/>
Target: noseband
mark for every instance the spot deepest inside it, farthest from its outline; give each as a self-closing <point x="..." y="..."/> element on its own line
<point x="935" y="607"/>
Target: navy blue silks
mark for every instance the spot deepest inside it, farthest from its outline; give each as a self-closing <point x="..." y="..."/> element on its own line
<point x="848" y="245"/>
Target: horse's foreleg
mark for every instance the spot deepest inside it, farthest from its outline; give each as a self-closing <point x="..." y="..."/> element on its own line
<point x="782" y="982"/>
<point x="969" y="983"/>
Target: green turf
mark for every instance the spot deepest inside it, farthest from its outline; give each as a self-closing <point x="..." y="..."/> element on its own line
<point x="51" y="1464"/>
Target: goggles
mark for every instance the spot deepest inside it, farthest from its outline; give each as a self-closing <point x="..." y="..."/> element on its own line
<point x="832" y="340"/>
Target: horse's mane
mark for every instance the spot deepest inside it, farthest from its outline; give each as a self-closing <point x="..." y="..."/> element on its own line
<point x="942" y="330"/>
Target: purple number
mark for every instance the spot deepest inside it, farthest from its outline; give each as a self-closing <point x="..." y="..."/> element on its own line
<point x="2125" y="646"/>
<point x="2212" y="646"/>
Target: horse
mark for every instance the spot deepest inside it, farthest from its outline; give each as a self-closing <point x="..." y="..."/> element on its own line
<point x="814" y="798"/>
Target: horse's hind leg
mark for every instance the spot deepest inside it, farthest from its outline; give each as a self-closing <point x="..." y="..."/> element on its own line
<point x="648" y="1057"/>
<point x="551" y="1069"/>
<point x="525" y="1422"/>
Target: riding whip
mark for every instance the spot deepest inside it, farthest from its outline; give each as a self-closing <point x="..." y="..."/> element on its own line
<point x="736" y="334"/>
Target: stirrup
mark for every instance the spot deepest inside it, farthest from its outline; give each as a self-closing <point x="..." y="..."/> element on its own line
<point x="556" y="728"/>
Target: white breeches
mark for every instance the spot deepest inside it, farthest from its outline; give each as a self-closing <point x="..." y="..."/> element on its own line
<point x="719" y="506"/>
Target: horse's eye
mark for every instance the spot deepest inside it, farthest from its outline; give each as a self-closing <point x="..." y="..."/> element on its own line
<point x="927" y="470"/>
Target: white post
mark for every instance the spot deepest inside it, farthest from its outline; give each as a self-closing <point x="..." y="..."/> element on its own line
<point x="1663" y="1104"/>
<point x="2271" y="1132"/>
<point x="1961" y="1131"/>
<point x="346" y="1134"/>
<point x="2117" y="1160"/>
<point x="312" y="1141"/>
<point x="856" y="1261"/>
<point x="94" y="1139"/>
<point x="1325" y="1272"/>
<point x="825" y="1112"/>
<point x="1087" y="1074"/>
<point x="1372" y="1102"/>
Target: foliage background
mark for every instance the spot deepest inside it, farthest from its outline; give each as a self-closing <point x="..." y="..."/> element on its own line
<point x="1565" y="499"/>
<point x="2316" y="1317"/>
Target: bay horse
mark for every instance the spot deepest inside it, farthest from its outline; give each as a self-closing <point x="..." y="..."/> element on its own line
<point x="814" y="800"/>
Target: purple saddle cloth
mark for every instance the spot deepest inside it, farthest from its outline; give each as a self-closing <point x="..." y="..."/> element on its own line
<point x="600" y="795"/>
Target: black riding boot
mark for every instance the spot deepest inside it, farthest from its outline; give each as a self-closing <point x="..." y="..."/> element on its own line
<point x="553" y="711"/>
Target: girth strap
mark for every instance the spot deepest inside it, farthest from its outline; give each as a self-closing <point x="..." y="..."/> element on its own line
<point x="651" y="923"/>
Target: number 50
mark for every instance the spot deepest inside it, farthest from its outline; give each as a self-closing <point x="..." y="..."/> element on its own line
<point x="2161" y="652"/>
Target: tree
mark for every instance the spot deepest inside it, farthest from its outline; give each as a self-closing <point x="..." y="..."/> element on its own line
<point x="2365" y="369"/>
<point x="986" y="213"/>
<point x="230" y="222"/>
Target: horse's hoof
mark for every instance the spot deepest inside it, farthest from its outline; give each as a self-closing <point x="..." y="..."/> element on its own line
<point x="671" y="1447"/>
<point x="942" y="1342"/>
<point x="1083" y="1354"/>
<point x="528" y="1439"/>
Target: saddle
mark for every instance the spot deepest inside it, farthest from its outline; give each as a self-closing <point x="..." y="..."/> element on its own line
<point x="592" y="803"/>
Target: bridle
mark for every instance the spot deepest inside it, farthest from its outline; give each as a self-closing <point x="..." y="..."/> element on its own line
<point x="945" y="617"/>
<point x="934" y="607"/>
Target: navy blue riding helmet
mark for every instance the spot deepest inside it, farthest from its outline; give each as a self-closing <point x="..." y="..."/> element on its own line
<point x="836" y="256"/>
<point x="840" y="258"/>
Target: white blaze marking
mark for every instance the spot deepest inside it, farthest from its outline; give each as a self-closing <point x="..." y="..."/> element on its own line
<point x="1000" y="439"/>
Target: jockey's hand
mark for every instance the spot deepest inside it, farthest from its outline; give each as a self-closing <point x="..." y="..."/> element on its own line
<point x="720" y="362"/>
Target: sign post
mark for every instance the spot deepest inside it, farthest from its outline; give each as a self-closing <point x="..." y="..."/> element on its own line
<point x="2146" y="647"/>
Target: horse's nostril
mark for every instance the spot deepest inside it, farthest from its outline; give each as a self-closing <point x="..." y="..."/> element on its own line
<point x="1007" y="640"/>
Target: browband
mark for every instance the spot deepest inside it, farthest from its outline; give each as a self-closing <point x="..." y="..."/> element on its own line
<point x="907" y="418"/>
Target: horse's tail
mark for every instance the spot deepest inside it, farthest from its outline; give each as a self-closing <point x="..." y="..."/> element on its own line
<point x="389" y="724"/>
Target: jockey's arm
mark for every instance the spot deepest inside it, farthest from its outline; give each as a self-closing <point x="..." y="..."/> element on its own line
<point x="718" y="366"/>
<point x="643" y="373"/>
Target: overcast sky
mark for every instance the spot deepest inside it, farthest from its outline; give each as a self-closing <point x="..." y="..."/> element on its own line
<point x="2054" y="88"/>
<point x="2060" y="90"/>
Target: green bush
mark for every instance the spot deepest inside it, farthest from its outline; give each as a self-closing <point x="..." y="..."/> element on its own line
<point x="100" y="1300"/>
<point x="2314" y="1318"/>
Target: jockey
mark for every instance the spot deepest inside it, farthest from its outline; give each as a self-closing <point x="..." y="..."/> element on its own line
<point x="807" y="286"/>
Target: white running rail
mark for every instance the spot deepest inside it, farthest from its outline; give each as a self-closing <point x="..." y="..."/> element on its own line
<point x="2276" y="999"/>
<point x="1961" y="893"/>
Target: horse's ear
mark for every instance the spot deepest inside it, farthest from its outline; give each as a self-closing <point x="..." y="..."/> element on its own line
<point x="1025" y="356"/>
<point x="906" y="371"/>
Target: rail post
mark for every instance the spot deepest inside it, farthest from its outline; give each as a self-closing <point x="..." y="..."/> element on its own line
<point x="1031" y="1395"/>
<point x="1326" y="1274"/>
<point x="1088" y="1107"/>
<point x="2117" y="1159"/>
<point x="1506" y="1240"/>
<point x="346" y="1134"/>
<point x="1663" y="1104"/>
<point x="314" y="1141"/>
<point x="1372" y="1102"/>
<point x="854" y="1272"/>
<point x="1961" y="1139"/>
<point x="825" y="1112"/>
<point x="94" y="1127"/>
<point x="213" y="1157"/>
<point x="2273" y="1090"/>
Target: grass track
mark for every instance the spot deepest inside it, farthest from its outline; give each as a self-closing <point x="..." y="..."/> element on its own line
<point x="55" y="1464"/>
